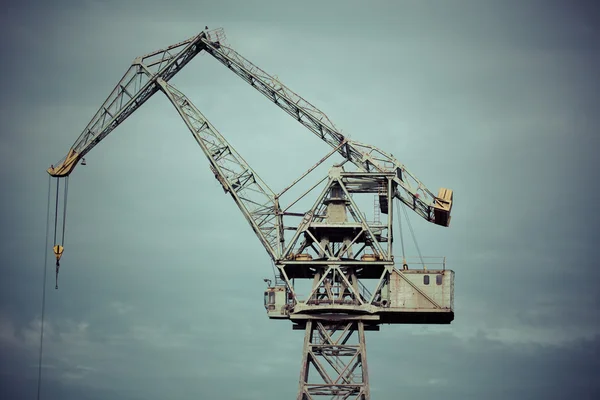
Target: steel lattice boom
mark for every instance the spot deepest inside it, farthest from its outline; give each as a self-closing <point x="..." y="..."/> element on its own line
<point x="136" y="86"/>
<point x="368" y="158"/>
<point x="251" y="194"/>
<point x="139" y="84"/>
<point x="334" y="247"/>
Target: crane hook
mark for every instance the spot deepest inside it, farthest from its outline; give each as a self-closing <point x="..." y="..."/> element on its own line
<point x="56" y="280"/>
<point x="58" y="252"/>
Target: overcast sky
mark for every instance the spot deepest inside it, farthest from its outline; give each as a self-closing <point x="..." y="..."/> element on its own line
<point x="161" y="283"/>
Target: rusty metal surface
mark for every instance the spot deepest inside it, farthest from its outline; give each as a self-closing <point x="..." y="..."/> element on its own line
<point x="334" y="246"/>
<point x="334" y="361"/>
<point x="409" y="291"/>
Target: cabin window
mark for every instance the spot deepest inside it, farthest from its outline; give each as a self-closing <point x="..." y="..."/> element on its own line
<point x="439" y="278"/>
<point x="426" y="279"/>
<point x="269" y="298"/>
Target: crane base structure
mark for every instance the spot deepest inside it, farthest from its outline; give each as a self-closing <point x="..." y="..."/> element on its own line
<point x="342" y="253"/>
<point x="335" y="272"/>
<point x="337" y="353"/>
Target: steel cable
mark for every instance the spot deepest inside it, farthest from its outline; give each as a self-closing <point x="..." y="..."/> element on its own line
<point x="399" y="204"/>
<point x="39" y="386"/>
<point x="414" y="237"/>
<point x="64" y="227"/>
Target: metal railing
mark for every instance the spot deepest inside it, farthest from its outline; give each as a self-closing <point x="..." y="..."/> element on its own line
<point x="424" y="262"/>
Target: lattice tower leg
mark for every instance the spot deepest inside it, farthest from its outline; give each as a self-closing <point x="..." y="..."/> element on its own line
<point x="334" y="361"/>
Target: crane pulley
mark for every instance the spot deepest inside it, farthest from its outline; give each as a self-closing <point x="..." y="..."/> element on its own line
<point x="334" y="230"/>
<point x="60" y="221"/>
<point x="150" y="73"/>
<point x="140" y="82"/>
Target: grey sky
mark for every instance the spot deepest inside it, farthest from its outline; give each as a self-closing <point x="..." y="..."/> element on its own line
<point x="161" y="285"/>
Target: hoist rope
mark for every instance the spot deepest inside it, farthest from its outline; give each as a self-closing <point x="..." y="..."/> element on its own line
<point x="56" y="209"/>
<point x="400" y="229"/>
<point x="64" y="216"/>
<point x="44" y="291"/>
<point x="412" y="232"/>
<point x="64" y="227"/>
<point x="274" y="271"/>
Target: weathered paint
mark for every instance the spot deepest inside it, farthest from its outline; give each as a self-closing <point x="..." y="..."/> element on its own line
<point x="408" y="290"/>
<point x="276" y="302"/>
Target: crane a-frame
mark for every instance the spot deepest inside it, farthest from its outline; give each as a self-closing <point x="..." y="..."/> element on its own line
<point x="332" y="245"/>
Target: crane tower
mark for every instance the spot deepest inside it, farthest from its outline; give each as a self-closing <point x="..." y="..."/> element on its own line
<point x="331" y="245"/>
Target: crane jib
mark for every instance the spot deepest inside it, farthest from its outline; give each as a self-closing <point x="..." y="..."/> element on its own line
<point x="333" y="243"/>
<point x="411" y="191"/>
<point x="140" y="82"/>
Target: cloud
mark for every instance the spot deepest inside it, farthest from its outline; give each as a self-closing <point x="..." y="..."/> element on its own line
<point x="99" y="361"/>
<point x="121" y="308"/>
<point x="429" y="365"/>
<point x="161" y="284"/>
<point x="77" y="373"/>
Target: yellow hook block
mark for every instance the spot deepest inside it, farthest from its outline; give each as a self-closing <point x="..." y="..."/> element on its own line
<point x="58" y="251"/>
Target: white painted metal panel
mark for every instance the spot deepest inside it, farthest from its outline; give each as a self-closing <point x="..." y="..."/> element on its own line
<point x="409" y="289"/>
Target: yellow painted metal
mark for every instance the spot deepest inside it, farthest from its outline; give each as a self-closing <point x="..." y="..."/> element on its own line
<point x="58" y="251"/>
<point x="444" y="199"/>
<point x="369" y="257"/>
<point x="65" y="167"/>
<point x="303" y="257"/>
<point x="443" y="206"/>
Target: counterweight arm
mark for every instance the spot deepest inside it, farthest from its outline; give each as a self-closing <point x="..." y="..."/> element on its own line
<point x="367" y="158"/>
<point x="254" y="198"/>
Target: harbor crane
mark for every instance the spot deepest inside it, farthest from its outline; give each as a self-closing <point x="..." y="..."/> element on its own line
<point x="331" y="245"/>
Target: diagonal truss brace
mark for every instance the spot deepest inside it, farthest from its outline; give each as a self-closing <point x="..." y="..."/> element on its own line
<point x="137" y="85"/>
<point x="330" y="273"/>
<point x="254" y="198"/>
<point x="339" y="361"/>
<point x="367" y="158"/>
